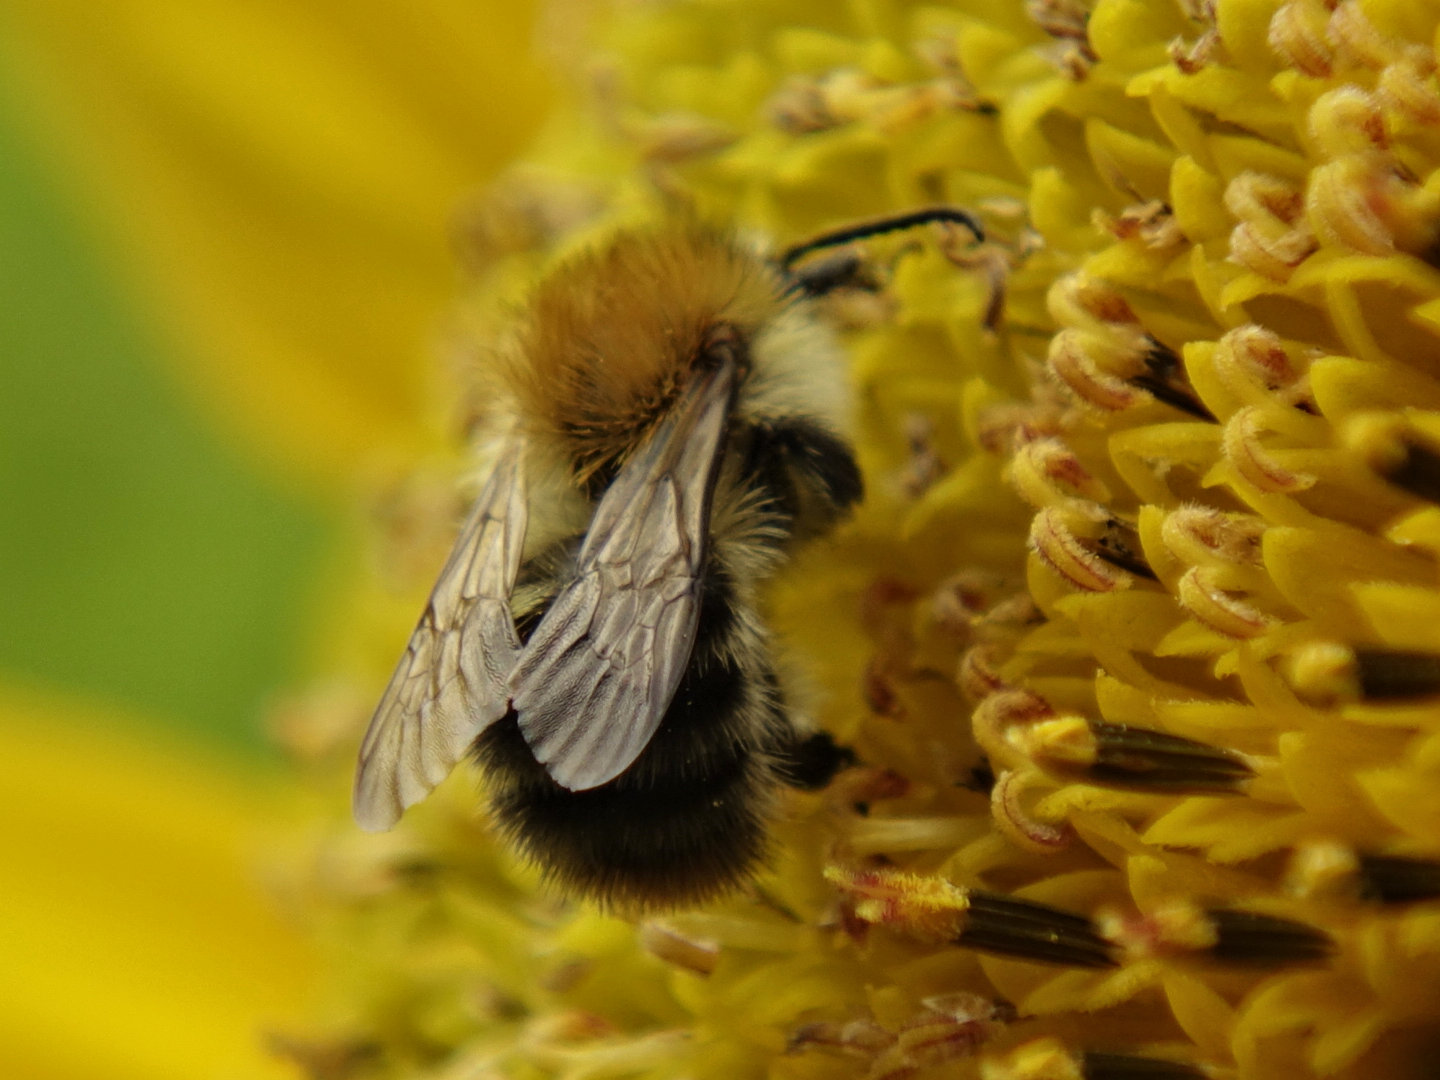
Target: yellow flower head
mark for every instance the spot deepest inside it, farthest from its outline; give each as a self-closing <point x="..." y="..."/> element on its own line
<point x="1135" y="635"/>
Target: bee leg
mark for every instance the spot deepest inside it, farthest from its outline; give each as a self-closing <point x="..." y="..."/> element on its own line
<point x="845" y="270"/>
<point x="860" y="230"/>
<point x="810" y="762"/>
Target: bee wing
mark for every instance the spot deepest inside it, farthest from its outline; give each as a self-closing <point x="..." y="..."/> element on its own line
<point x="451" y="683"/>
<point x="596" y="677"/>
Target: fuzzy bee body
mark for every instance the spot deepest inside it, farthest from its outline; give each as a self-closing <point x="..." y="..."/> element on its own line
<point x="675" y="411"/>
<point x="688" y="818"/>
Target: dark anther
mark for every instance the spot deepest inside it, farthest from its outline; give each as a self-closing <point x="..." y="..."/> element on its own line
<point x="1163" y="378"/>
<point x="1141" y="759"/>
<point x="1247" y="939"/>
<point x="1389" y="674"/>
<point x="1395" y="879"/>
<point x="1126" y="1067"/>
<point x="1031" y="931"/>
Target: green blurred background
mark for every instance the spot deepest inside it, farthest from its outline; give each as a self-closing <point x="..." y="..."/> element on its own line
<point x="225" y="258"/>
<point x="144" y="563"/>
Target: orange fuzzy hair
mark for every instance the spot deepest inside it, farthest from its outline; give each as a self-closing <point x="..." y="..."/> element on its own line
<point x="609" y="337"/>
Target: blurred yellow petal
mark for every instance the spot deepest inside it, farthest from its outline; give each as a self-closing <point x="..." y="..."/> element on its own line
<point x="281" y="179"/>
<point x="137" y="939"/>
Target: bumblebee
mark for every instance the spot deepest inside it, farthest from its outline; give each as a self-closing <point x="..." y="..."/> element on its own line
<point x="675" y="426"/>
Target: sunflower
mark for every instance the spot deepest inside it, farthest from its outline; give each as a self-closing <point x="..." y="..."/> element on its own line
<point x="1140" y="597"/>
<point x="1132" y="637"/>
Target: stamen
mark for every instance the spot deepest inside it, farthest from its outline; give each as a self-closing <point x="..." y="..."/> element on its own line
<point x="1221" y="610"/>
<point x="1347" y="120"/>
<point x="1361" y="202"/>
<point x="999" y="712"/>
<point x="1200" y="535"/>
<point x="1130" y="758"/>
<point x="1020" y="826"/>
<point x="925" y="467"/>
<point x="1407" y="87"/>
<point x="1046" y="471"/>
<point x="1151" y="223"/>
<point x="1242" y="446"/>
<point x="857" y="1038"/>
<point x="1248" y="939"/>
<point x="1358" y="40"/>
<point x="933" y="909"/>
<point x="1193" y="56"/>
<point x="1050" y="1059"/>
<point x="1095" y="1066"/>
<point x="1271" y="236"/>
<point x="1398" y="879"/>
<point x="1388" y="675"/>
<point x="1298" y="37"/>
<point x="1327" y="868"/>
<point x="1067" y="21"/>
<point x="1101" y="565"/>
<point x="1039" y="1059"/>
<point x="1119" y="544"/>
<point x="963" y="598"/>
<point x="1082" y="301"/>
<point x="1323" y="868"/>
<point x="977" y="674"/>
<point x="1164" y="379"/>
<point x="802" y="106"/>
<point x="1352" y="203"/>
<point x="1330" y="671"/>
<point x="947" y="1028"/>
<point x="1224" y="936"/>
<point x="1031" y="931"/>
<point x="928" y="908"/>
<point x="1105" y="357"/>
<point x="1395" y="453"/>
<point x="1072" y="358"/>
<point x="1251" y="356"/>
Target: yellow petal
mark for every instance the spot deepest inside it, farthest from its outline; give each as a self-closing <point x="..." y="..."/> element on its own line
<point x="281" y="180"/>
<point x="138" y="942"/>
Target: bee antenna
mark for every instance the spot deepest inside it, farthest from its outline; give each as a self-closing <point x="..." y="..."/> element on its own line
<point x="876" y="226"/>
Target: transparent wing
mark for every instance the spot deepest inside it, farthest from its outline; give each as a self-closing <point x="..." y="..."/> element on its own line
<point x="451" y="683"/>
<point x="596" y="677"/>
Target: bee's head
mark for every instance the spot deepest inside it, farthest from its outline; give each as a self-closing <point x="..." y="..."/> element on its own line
<point x="614" y="337"/>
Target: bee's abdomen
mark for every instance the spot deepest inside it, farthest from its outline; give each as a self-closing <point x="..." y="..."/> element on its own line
<point x="688" y="820"/>
<point x="663" y="843"/>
